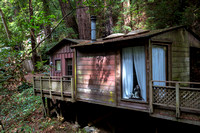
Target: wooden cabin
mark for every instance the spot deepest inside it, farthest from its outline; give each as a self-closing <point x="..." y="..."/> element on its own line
<point x="156" y="72"/>
<point x="62" y="57"/>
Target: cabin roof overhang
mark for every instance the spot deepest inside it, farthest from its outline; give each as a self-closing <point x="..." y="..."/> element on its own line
<point x="140" y="36"/>
<point x="62" y="43"/>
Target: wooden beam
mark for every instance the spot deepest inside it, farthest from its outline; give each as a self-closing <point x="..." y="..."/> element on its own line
<point x="41" y="86"/>
<point x="48" y="107"/>
<point x="177" y="100"/>
<point x="61" y="87"/>
<point x="150" y="79"/>
<point x="33" y="85"/>
<point x="72" y="89"/>
<point x="50" y="87"/>
<point x="150" y="97"/>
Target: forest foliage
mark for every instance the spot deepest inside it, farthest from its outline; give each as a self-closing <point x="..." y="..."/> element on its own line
<point x="33" y="26"/>
<point x="29" y="28"/>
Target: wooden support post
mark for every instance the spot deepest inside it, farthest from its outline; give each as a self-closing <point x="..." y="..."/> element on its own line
<point x="44" y="109"/>
<point x="34" y="85"/>
<point x="177" y="100"/>
<point x="72" y="89"/>
<point x="150" y="97"/>
<point x="61" y="87"/>
<point x="150" y="78"/>
<point x="48" y="107"/>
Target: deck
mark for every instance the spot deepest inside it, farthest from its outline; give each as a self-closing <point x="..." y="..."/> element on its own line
<point x="54" y="87"/>
<point x="178" y="101"/>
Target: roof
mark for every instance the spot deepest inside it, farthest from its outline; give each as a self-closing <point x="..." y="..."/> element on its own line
<point x="139" y="35"/>
<point x="63" y="42"/>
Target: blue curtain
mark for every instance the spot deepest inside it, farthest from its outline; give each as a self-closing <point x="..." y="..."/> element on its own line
<point x="127" y="72"/>
<point x="133" y="57"/>
<point x="140" y="68"/>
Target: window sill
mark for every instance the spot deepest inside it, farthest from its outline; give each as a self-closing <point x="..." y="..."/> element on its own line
<point x="134" y="101"/>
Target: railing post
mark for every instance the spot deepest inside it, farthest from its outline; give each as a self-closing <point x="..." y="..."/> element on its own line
<point x="61" y="87"/>
<point x="72" y="89"/>
<point x="41" y="86"/>
<point x="43" y="98"/>
<point x="150" y="97"/>
<point x="50" y="87"/>
<point x="177" y="100"/>
<point x="34" y="85"/>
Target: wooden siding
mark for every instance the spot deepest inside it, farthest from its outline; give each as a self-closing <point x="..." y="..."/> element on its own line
<point x="180" y="57"/>
<point x="96" y="77"/>
<point x="61" y="54"/>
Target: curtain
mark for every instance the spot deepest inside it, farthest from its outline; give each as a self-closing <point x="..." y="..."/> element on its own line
<point x="158" y="65"/>
<point x="127" y="72"/>
<point x="140" y="68"/>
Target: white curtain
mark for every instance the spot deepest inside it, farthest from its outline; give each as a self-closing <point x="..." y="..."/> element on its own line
<point x="158" y="64"/>
<point x="140" y="68"/>
<point x="127" y="72"/>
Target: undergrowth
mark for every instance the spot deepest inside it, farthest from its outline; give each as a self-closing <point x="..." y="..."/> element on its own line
<point x="21" y="111"/>
<point x="15" y="108"/>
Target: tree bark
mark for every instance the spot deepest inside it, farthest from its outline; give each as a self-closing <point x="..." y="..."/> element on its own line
<point x="126" y="13"/>
<point x="83" y="19"/>
<point x="108" y="19"/>
<point x="47" y="28"/>
<point x="5" y="24"/>
<point x="70" y="21"/>
<point x="32" y="34"/>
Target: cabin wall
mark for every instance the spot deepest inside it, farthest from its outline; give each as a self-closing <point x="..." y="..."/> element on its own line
<point x="61" y="54"/>
<point x="96" y="76"/>
<point x="180" y="53"/>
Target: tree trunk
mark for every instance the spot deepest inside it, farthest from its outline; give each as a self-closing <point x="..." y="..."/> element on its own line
<point x="32" y="34"/>
<point x="70" y="21"/>
<point x="108" y="19"/>
<point x="47" y="28"/>
<point x="126" y="13"/>
<point x="5" y="24"/>
<point x="83" y="18"/>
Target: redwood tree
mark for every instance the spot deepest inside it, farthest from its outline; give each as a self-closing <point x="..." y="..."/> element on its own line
<point x="32" y="34"/>
<point x="70" y="21"/>
<point x="83" y="19"/>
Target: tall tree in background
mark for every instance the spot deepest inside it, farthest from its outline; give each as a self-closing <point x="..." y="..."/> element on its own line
<point x="108" y="17"/>
<point x="47" y="27"/>
<point x="32" y="34"/>
<point x="5" y="24"/>
<point x="126" y="14"/>
<point x="70" y="21"/>
<point x="83" y="19"/>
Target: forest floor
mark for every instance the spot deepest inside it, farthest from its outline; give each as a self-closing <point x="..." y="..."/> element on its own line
<point x="21" y="111"/>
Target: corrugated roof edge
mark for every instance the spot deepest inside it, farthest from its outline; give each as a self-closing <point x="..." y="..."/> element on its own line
<point x="139" y="36"/>
<point x="55" y="47"/>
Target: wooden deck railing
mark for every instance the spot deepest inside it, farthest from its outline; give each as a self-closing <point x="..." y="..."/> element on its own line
<point x="55" y="85"/>
<point x="179" y="96"/>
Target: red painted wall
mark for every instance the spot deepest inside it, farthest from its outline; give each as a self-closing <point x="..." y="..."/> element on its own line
<point x="61" y="54"/>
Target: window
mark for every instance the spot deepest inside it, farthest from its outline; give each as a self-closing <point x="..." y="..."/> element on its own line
<point x="58" y="65"/>
<point x="159" y="64"/>
<point x="69" y="66"/>
<point x="134" y="73"/>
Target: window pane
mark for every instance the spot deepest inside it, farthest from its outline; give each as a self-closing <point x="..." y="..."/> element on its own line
<point x="134" y="73"/>
<point x="69" y="66"/>
<point x="158" y="64"/>
<point x="58" y="65"/>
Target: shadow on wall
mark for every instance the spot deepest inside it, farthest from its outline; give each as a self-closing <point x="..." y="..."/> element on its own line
<point x="101" y="71"/>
